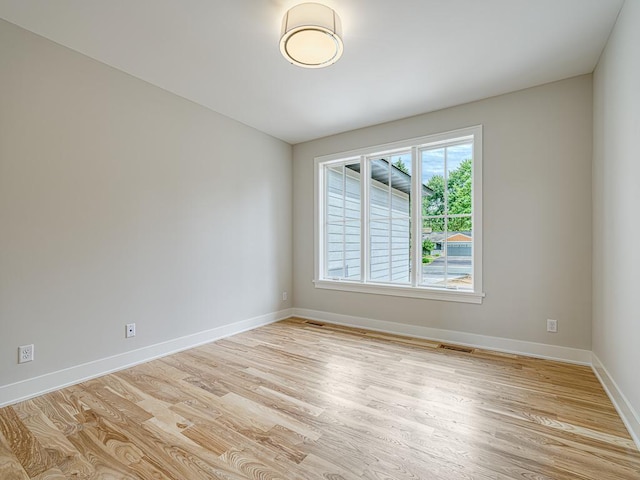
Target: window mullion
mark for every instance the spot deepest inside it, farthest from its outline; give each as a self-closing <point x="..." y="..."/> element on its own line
<point x="390" y="222"/>
<point x="446" y="250"/>
<point x="476" y="211"/>
<point x="364" y="219"/>
<point x="345" y="273"/>
<point x="416" y="218"/>
<point x="325" y="227"/>
<point x="446" y="218"/>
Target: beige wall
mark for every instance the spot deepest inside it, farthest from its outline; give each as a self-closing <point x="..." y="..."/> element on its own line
<point x="616" y="202"/>
<point x="537" y="218"/>
<point x="120" y="202"/>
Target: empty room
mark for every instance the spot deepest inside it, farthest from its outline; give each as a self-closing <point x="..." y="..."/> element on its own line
<point x="270" y="239"/>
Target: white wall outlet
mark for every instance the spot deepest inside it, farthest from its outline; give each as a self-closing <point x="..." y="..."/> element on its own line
<point x="25" y="353"/>
<point x="284" y="296"/>
<point x="130" y="330"/>
<point x="552" y="325"/>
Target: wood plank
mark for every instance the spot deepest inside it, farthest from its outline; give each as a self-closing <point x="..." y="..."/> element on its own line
<point x="10" y="467"/>
<point x="23" y="443"/>
<point x="292" y="400"/>
<point x="70" y="461"/>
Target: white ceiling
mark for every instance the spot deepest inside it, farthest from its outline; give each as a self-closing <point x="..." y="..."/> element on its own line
<point x="401" y="57"/>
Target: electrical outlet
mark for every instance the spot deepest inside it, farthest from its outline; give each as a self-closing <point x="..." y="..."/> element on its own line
<point x="552" y="325"/>
<point x="25" y="353"/>
<point x="284" y="296"/>
<point x="130" y="330"/>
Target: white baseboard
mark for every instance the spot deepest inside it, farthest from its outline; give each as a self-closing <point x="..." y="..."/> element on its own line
<point x="531" y="349"/>
<point x="629" y="416"/>
<point x="32" y="387"/>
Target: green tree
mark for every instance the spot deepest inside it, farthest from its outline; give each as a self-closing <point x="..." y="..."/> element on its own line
<point x="460" y="189"/>
<point x="427" y="246"/>
<point x="459" y="198"/>
<point x="434" y="204"/>
<point x="399" y="164"/>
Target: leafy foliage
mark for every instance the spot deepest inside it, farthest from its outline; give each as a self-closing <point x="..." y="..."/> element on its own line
<point x="460" y="189"/>
<point x="458" y="198"/>
<point x="399" y="164"/>
<point x="427" y="246"/>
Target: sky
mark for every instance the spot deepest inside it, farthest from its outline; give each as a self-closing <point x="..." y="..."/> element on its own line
<point x="433" y="160"/>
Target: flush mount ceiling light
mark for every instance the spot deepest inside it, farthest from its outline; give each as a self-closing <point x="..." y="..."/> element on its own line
<point x="311" y="36"/>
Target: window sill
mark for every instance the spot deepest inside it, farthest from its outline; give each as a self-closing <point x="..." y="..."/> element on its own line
<point x="463" y="296"/>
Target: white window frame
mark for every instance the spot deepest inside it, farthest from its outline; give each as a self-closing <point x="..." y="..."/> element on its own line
<point x="414" y="290"/>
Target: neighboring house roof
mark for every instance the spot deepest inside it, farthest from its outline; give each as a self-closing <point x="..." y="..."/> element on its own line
<point x="399" y="180"/>
<point x="459" y="237"/>
<point x="439" y="237"/>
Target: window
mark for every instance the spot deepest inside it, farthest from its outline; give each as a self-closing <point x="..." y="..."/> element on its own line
<point x="403" y="219"/>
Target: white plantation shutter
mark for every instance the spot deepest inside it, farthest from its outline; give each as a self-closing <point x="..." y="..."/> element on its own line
<point x="389" y="234"/>
<point x="343" y="223"/>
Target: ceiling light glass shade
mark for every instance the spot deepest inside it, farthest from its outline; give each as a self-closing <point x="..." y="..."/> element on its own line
<point x="311" y="36"/>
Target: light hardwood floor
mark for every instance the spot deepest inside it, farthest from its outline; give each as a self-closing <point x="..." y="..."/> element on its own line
<point x="297" y="401"/>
